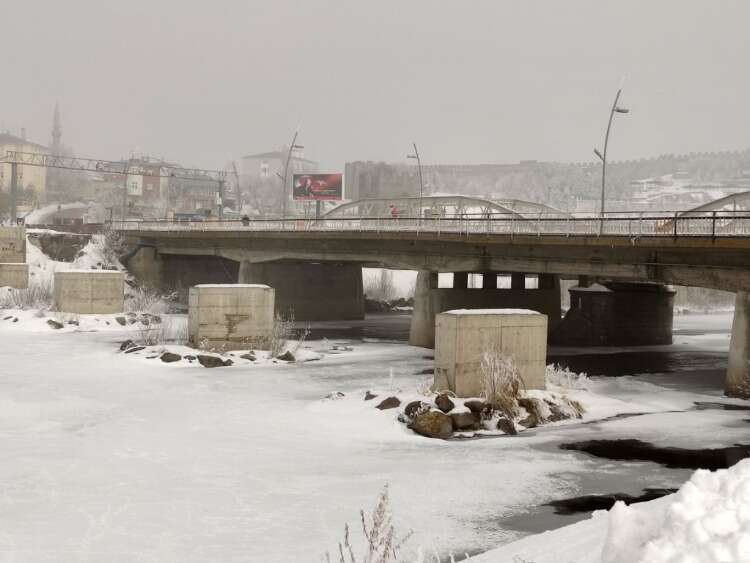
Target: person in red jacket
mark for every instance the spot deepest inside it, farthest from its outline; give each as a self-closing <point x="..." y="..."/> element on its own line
<point x="394" y="211"/>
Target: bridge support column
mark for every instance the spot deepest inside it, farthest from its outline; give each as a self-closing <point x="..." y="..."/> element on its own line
<point x="489" y="280"/>
<point x="518" y="280"/>
<point x="429" y="301"/>
<point x="319" y="291"/>
<point x="422" y="329"/>
<point x="147" y="267"/>
<point x="617" y="314"/>
<point x="738" y="371"/>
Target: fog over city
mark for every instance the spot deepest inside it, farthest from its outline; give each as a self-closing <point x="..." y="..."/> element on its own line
<point x="472" y="82"/>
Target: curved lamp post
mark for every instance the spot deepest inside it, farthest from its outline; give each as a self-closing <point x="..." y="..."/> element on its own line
<point x="293" y="146"/>
<point x="421" y="183"/>
<point x="603" y="155"/>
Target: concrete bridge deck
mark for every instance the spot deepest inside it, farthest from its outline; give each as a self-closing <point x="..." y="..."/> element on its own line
<point x="707" y="251"/>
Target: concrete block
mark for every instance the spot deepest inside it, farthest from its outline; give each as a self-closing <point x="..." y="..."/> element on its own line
<point x="231" y="316"/>
<point x="462" y="336"/>
<point x="12" y="244"/>
<point x="14" y="275"/>
<point x="89" y="291"/>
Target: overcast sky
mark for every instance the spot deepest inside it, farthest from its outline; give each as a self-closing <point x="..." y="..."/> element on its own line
<point x="470" y="81"/>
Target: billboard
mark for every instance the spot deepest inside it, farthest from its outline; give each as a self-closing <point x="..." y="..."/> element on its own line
<point x="323" y="187"/>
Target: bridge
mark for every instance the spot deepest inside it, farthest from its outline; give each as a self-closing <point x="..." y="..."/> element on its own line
<point x="441" y="206"/>
<point x="315" y="265"/>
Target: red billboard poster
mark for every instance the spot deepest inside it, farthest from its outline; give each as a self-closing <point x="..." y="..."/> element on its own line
<point x="312" y="187"/>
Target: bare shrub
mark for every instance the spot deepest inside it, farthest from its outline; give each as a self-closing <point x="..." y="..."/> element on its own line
<point x="146" y="300"/>
<point x="152" y="331"/>
<point x="113" y="246"/>
<point x="501" y="382"/>
<point x="379" y="533"/>
<point x="563" y="377"/>
<point x="37" y="296"/>
<point x="283" y="330"/>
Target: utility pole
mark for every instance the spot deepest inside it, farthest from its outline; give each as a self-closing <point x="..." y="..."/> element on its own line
<point x="125" y="191"/>
<point x="238" y="205"/>
<point x="292" y="147"/>
<point x="603" y="155"/>
<point x="221" y="199"/>
<point x="13" y="192"/>
<point x="421" y="183"/>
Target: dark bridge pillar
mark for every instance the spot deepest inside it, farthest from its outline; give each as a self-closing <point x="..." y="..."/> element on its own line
<point x="174" y="272"/>
<point x="429" y="301"/>
<point x="311" y="291"/>
<point x="738" y="371"/>
<point x="617" y="314"/>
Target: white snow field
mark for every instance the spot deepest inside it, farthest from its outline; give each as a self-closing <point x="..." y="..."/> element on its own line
<point x="707" y="520"/>
<point x="116" y="457"/>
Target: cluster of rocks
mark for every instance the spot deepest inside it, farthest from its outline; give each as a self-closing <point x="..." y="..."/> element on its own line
<point x="206" y="360"/>
<point x="145" y="319"/>
<point x="441" y="417"/>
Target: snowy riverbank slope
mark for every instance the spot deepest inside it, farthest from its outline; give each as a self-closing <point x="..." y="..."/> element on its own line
<point x="706" y="521"/>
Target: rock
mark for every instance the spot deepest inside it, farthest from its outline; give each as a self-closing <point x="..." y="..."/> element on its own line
<point x="414" y="407"/>
<point x="530" y="421"/>
<point x="75" y="323"/>
<point x="444" y="402"/>
<point x="15" y="320"/>
<point x="507" y="426"/>
<point x="538" y="410"/>
<point x="389" y="403"/>
<point x="121" y="320"/>
<point x="213" y="361"/>
<point x="335" y="396"/>
<point x="476" y="406"/>
<point x="190" y="357"/>
<point x="287" y="357"/>
<point x="134" y="349"/>
<point x="433" y="424"/>
<point x="8" y="318"/>
<point x="249" y="356"/>
<point x="169" y="357"/>
<point x="54" y="324"/>
<point x="369" y="396"/>
<point x="125" y="345"/>
<point x="465" y="420"/>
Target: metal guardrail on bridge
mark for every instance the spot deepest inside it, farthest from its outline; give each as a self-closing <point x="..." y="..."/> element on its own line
<point x="662" y="224"/>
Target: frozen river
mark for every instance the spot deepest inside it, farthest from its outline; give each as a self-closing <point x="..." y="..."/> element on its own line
<point x="109" y="457"/>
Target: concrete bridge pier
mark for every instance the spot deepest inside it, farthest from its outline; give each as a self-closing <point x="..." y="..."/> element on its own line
<point x="311" y="291"/>
<point x="429" y="300"/>
<point x="617" y="314"/>
<point x="422" y="329"/>
<point x="738" y="372"/>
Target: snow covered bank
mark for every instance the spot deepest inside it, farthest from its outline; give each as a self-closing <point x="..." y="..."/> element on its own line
<point x="706" y="521"/>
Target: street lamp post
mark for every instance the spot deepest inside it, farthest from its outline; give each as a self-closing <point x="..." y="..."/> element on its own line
<point x="603" y="155"/>
<point x="421" y="183"/>
<point x="292" y="147"/>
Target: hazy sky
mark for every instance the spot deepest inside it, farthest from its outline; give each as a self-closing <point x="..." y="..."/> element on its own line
<point x="471" y="81"/>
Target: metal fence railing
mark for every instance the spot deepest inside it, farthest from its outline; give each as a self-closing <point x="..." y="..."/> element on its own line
<point x="661" y="224"/>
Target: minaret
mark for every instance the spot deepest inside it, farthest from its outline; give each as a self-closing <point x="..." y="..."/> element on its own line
<point x="56" y="131"/>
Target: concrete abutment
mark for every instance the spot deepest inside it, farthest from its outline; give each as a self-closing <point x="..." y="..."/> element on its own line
<point x="738" y="370"/>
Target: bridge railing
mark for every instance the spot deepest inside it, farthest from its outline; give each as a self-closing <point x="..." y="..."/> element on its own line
<point x="659" y="224"/>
